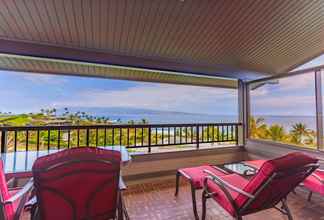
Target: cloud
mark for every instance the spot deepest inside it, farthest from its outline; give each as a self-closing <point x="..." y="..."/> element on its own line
<point x="156" y="96"/>
<point x="286" y="85"/>
<point x="297" y="82"/>
<point x="42" y="79"/>
<point x="284" y="105"/>
<point x="293" y="95"/>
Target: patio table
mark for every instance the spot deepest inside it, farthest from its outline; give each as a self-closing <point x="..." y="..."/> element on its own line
<point x="19" y="164"/>
<point x="239" y="168"/>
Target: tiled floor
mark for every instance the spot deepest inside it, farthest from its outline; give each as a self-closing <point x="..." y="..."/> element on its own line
<point x="156" y="201"/>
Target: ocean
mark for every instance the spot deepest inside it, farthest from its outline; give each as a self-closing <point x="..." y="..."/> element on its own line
<point x="169" y="117"/>
<point x="286" y="121"/>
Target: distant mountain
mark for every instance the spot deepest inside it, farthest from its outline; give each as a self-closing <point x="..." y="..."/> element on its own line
<point x="107" y="111"/>
<point x="152" y="116"/>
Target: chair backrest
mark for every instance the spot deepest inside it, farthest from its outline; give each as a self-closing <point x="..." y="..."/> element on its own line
<point x="275" y="179"/>
<point x="78" y="183"/>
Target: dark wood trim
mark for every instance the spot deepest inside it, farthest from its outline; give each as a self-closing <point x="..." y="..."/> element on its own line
<point x="67" y="127"/>
<point x="103" y="57"/>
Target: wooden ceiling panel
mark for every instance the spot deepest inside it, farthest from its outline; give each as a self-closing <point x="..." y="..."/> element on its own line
<point x="265" y="36"/>
<point x="51" y="66"/>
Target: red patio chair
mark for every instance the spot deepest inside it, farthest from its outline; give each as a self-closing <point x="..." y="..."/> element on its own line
<point x="196" y="176"/>
<point x="78" y="184"/>
<point x="12" y="200"/>
<point x="315" y="183"/>
<point x="270" y="186"/>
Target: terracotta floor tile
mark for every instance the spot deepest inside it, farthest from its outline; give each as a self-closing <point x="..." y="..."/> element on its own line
<point x="157" y="201"/>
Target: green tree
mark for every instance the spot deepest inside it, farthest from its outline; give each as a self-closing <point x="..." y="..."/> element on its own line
<point x="276" y="132"/>
<point x="298" y="132"/>
<point x="258" y="128"/>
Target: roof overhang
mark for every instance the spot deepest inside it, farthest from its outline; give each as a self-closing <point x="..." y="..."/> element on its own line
<point x="232" y="39"/>
<point x="22" y="63"/>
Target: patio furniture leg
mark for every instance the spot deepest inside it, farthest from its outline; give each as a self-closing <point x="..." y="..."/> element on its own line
<point x="177" y="183"/>
<point x="194" y="205"/>
<point x="120" y="210"/>
<point x="204" y="200"/>
<point x="285" y="207"/>
<point x="124" y="209"/>
<point x="310" y="196"/>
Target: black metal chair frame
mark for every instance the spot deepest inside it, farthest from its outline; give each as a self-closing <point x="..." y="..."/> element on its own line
<point x="240" y="212"/>
<point x="192" y="187"/>
<point x="193" y="191"/>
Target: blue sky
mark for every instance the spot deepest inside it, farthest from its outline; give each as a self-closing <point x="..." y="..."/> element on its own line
<point x="25" y="92"/>
<point x="291" y="96"/>
<point x="294" y="95"/>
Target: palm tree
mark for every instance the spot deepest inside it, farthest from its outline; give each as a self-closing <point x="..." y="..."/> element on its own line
<point x="54" y="111"/>
<point x="144" y="121"/>
<point x="66" y="111"/>
<point x="298" y="132"/>
<point x="276" y="132"/>
<point x="258" y="129"/>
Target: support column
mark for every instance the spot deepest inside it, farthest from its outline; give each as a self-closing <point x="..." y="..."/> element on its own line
<point x="244" y="109"/>
<point x="319" y="109"/>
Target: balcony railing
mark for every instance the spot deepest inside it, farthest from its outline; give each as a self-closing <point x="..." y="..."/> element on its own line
<point x="144" y="136"/>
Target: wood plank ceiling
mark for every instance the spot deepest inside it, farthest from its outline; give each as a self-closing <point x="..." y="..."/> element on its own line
<point x="237" y="39"/>
<point x="52" y="66"/>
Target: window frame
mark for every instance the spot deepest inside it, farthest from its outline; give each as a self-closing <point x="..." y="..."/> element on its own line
<point x="317" y="71"/>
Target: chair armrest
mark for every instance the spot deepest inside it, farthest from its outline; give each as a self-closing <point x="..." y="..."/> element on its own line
<point x="219" y="181"/>
<point x="318" y="177"/>
<point x="28" y="186"/>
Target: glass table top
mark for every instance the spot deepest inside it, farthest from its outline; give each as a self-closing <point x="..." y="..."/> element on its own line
<point x="240" y="168"/>
<point x="22" y="161"/>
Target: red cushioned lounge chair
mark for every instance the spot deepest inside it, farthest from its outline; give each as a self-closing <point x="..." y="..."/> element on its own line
<point x="76" y="184"/>
<point x="315" y="183"/>
<point x="196" y="176"/>
<point x="12" y="200"/>
<point x="270" y="186"/>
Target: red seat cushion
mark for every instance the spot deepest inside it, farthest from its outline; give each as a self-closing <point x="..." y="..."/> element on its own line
<point x="314" y="184"/>
<point x="233" y="179"/>
<point x="197" y="174"/>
